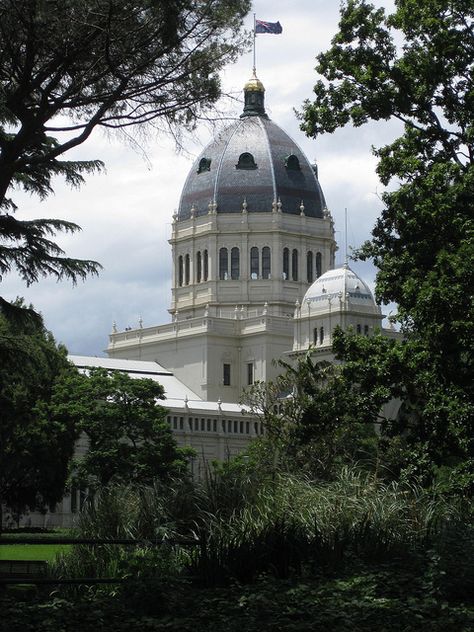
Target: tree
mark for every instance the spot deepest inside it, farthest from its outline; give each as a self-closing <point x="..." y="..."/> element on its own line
<point x="129" y="440"/>
<point x="314" y="420"/>
<point x="416" y="65"/>
<point x="34" y="450"/>
<point x="69" y="66"/>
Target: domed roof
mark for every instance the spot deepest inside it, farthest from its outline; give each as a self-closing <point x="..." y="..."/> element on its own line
<point x="254" y="163"/>
<point x="341" y="283"/>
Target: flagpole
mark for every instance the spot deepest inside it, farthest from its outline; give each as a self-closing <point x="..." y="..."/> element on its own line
<point x="254" y="38"/>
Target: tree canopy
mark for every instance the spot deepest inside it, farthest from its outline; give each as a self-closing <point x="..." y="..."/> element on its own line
<point x="314" y="419"/>
<point x="129" y="440"/>
<point x="69" y="66"/>
<point x="34" y="449"/>
<point x="416" y="65"/>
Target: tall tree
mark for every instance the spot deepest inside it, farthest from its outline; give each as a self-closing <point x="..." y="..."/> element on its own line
<point x="416" y="65"/>
<point x="314" y="420"/>
<point x="69" y="66"/>
<point x="129" y="440"/>
<point x="34" y="450"/>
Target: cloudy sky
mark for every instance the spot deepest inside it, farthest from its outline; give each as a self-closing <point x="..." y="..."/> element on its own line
<point x="125" y="213"/>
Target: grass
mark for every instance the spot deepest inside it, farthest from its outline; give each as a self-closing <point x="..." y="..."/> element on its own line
<point x="33" y="552"/>
<point x="30" y="552"/>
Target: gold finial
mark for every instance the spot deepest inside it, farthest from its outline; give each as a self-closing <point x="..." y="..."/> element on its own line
<point x="254" y="84"/>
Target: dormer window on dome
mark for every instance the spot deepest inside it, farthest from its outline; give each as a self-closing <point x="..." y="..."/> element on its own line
<point x="246" y="161"/>
<point x="204" y="165"/>
<point x="292" y="163"/>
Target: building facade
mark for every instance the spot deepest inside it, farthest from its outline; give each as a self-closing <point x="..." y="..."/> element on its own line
<point x="251" y="234"/>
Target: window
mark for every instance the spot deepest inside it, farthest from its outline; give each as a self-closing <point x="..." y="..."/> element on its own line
<point x="286" y="263"/>
<point x="359" y="329"/>
<point x="205" y="265"/>
<point x="187" y="267"/>
<point x="226" y="374"/>
<point x="246" y="161"/>
<point x="266" y="263"/>
<point x="223" y="264"/>
<point x="204" y="165"/>
<point x="250" y="373"/>
<point x="318" y="265"/>
<point x="294" y="265"/>
<point x="254" y="267"/>
<point x="73" y="499"/>
<point x="234" y="263"/>
<point x="366" y="330"/>
<point x="309" y="267"/>
<point x="198" y="267"/>
<point x="321" y="335"/>
<point x="180" y="271"/>
<point x="292" y="163"/>
<point x="315" y="336"/>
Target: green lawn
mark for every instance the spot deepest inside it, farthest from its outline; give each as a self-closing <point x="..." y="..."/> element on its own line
<point x="45" y="552"/>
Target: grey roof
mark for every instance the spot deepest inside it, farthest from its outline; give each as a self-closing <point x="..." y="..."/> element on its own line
<point x="174" y="388"/>
<point x="271" y="180"/>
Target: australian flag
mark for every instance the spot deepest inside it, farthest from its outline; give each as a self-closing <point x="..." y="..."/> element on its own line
<point x="267" y="27"/>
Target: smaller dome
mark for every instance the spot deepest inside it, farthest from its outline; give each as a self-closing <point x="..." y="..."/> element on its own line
<point x="341" y="283"/>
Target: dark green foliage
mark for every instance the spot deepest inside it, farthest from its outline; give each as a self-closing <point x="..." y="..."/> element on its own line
<point x="129" y="440"/>
<point x="313" y="419"/>
<point x="34" y="450"/>
<point x="416" y="65"/>
<point x="351" y="554"/>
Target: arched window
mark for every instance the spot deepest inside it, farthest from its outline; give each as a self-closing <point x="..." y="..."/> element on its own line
<point x="187" y="267"/>
<point x="315" y="336"/>
<point x="246" y="161"/>
<point x="254" y="267"/>
<point x="294" y="265"/>
<point x="321" y="335"/>
<point x="309" y="267"/>
<point x="234" y="263"/>
<point x="198" y="267"/>
<point x="266" y="263"/>
<point x="204" y="165"/>
<point x="292" y="163"/>
<point x="180" y="271"/>
<point x="286" y="263"/>
<point x="318" y="265"/>
<point x="205" y="265"/>
<point x="223" y="264"/>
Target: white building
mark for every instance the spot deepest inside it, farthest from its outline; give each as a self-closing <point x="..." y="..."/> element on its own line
<point x="252" y="233"/>
<point x="253" y="252"/>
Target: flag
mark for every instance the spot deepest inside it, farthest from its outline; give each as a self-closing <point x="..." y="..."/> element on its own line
<point x="267" y="27"/>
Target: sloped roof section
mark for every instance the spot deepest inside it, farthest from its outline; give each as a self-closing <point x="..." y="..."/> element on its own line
<point x="174" y="388"/>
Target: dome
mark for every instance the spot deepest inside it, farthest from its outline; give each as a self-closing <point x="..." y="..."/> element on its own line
<point x="340" y="283"/>
<point x="252" y="164"/>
